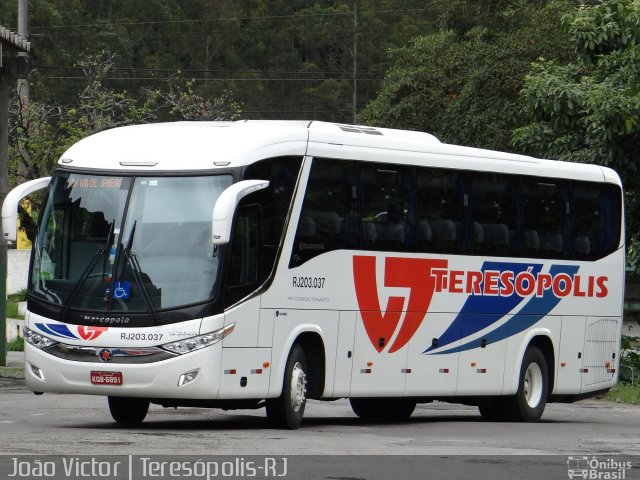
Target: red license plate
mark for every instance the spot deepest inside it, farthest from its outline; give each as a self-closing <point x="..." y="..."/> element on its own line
<point x="106" y="378"/>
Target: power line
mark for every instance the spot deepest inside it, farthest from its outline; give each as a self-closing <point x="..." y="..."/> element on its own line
<point x="201" y="70"/>
<point x="226" y="79"/>
<point x="230" y="19"/>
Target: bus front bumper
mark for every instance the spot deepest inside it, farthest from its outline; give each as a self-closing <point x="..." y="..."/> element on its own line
<point x="183" y="376"/>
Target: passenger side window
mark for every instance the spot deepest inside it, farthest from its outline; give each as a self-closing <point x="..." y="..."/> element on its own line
<point x="494" y="207"/>
<point x="388" y="207"/>
<point x="275" y="201"/>
<point x="245" y="254"/>
<point x="595" y="220"/>
<point x="441" y="210"/>
<point x="329" y="217"/>
<point x="546" y="206"/>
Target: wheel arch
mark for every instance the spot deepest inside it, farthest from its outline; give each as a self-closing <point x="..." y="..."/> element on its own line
<point x="311" y="339"/>
<point x="545" y="345"/>
<point x="541" y="338"/>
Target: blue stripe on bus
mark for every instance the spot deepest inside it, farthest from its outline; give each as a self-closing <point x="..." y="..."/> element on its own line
<point x="480" y="311"/>
<point x="532" y="312"/>
<point x="56" y="329"/>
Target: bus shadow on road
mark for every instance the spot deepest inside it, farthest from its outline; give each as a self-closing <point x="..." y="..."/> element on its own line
<point x="239" y="422"/>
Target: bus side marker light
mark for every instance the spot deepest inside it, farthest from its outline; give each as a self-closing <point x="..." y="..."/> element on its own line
<point x="230" y="372"/>
<point x="365" y="370"/>
<point x="585" y="370"/>
<point x="405" y="370"/>
<point x="369" y="364"/>
<point x="256" y="371"/>
<point x="481" y="370"/>
<point x="443" y="370"/>
<point x="265" y="364"/>
<point x="563" y="364"/>
<point x="473" y="364"/>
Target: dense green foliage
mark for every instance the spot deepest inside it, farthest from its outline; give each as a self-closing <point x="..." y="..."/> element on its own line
<point x="454" y="68"/>
<point x="588" y="109"/>
<point x="630" y="360"/>
<point x="279" y="59"/>
<point x="461" y="83"/>
<point x="104" y="63"/>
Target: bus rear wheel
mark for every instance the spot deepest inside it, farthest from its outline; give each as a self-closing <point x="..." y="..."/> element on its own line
<point x="531" y="398"/>
<point x="287" y="410"/>
<point x="128" y="410"/>
<point x="383" y="409"/>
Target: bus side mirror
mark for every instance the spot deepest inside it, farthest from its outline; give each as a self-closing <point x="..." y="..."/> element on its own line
<point x="225" y="207"/>
<point x="10" y="205"/>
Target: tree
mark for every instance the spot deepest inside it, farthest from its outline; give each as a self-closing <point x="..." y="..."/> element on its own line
<point x="588" y="109"/>
<point x="462" y="82"/>
<point x="280" y="58"/>
<point x="41" y="134"/>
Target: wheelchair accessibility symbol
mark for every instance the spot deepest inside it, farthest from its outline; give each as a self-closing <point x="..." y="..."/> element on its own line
<point x="122" y="290"/>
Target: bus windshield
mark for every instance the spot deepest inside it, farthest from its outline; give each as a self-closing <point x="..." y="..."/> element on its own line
<point x="120" y="243"/>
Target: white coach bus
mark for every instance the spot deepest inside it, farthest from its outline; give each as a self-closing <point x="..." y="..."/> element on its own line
<point x="249" y="264"/>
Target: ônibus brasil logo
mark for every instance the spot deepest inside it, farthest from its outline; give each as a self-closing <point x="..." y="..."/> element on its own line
<point x="493" y="292"/>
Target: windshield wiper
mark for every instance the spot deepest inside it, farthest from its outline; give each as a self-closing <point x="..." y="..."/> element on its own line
<point x="81" y="281"/>
<point x="132" y="259"/>
<point x="87" y="271"/>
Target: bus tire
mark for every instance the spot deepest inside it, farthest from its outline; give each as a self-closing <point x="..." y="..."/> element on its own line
<point x="287" y="410"/>
<point x="383" y="409"/>
<point x="528" y="403"/>
<point x="128" y="410"/>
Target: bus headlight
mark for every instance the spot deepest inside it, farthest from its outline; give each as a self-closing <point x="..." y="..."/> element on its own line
<point x="201" y="341"/>
<point x="37" y="340"/>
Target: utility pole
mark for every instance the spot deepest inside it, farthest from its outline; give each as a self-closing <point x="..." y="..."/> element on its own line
<point x="23" y="83"/>
<point x="11" y="67"/>
<point x="355" y="60"/>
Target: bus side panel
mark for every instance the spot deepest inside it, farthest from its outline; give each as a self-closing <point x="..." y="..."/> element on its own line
<point x="431" y="373"/>
<point x="601" y="353"/>
<point x="246" y="317"/>
<point x="265" y="330"/>
<point x="376" y="372"/>
<point x="481" y="369"/>
<point x="244" y="373"/>
<point x="344" y="355"/>
<point x="570" y="356"/>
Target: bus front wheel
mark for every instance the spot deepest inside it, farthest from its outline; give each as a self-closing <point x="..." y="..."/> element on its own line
<point x="287" y="410"/>
<point x="128" y="410"/>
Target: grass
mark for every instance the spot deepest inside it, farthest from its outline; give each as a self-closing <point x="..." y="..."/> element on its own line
<point x="16" y="345"/>
<point x="12" y="305"/>
<point x="624" y="393"/>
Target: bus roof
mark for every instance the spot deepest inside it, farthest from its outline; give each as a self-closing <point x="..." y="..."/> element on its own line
<point x="202" y="146"/>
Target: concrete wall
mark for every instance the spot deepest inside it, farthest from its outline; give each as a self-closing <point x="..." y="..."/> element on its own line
<point x="631" y="328"/>
<point x="14" y="328"/>
<point x="17" y="270"/>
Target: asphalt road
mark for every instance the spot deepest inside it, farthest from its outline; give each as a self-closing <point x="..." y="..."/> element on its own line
<point x="81" y="425"/>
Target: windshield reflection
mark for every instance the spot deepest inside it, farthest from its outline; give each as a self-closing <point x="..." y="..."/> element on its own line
<point x="159" y="257"/>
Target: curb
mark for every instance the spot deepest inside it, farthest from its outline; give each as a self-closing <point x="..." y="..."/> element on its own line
<point x="12" y="372"/>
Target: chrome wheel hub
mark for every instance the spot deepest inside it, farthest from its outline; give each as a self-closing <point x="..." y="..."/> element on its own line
<point x="298" y="387"/>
